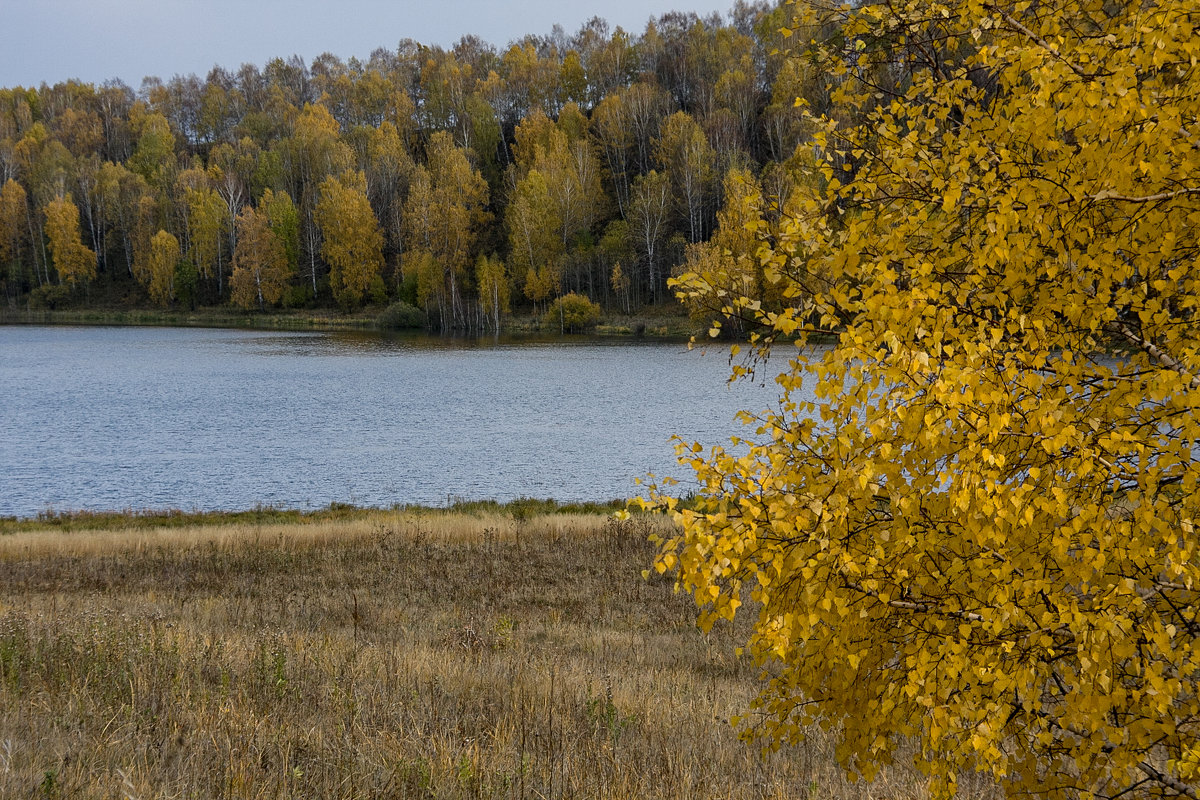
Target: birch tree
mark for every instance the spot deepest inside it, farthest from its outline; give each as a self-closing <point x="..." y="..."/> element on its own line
<point x="74" y="261"/>
<point x="353" y="242"/>
<point x="978" y="532"/>
<point x="260" y="269"/>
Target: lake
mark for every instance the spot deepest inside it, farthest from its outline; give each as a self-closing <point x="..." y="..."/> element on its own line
<point x="95" y="418"/>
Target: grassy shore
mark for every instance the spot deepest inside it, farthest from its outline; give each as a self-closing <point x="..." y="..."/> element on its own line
<point x="666" y="323"/>
<point x="489" y="652"/>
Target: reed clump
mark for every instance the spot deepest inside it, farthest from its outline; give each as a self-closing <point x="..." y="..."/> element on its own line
<point x="390" y="654"/>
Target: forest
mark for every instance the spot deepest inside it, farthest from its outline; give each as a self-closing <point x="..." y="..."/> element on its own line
<point x="457" y="185"/>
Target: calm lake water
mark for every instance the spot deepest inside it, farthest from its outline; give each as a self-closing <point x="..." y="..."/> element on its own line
<point x="152" y="418"/>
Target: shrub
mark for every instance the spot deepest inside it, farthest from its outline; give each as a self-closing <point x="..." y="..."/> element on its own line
<point x="572" y="312"/>
<point x="401" y="315"/>
<point x="50" y="296"/>
<point x="298" y="296"/>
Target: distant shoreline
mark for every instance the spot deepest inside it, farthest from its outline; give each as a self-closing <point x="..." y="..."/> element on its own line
<point x="666" y="327"/>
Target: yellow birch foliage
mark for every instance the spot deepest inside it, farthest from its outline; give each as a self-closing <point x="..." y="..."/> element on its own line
<point x="208" y="220"/>
<point x="971" y="521"/>
<point x="13" y="220"/>
<point x="353" y="243"/>
<point x="74" y="261"/>
<point x="728" y="262"/>
<point x="161" y="261"/>
<point x="144" y="223"/>
<point x="492" y="281"/>
<point x="260" y="261"/>
<point x="534" y="244"/>
<point x="443" y="216"/>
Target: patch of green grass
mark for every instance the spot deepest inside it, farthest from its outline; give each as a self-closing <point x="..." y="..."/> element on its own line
<point x="528" y="507"/>
<point x="520" y="508"/>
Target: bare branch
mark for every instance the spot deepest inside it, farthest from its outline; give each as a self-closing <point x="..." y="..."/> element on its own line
<point x="1155" y="352"/>
<point x="1150" y="198"/>
<point x="1166" y="780"/>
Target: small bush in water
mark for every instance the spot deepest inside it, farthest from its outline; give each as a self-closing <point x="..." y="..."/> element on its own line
<point x="401" y="315"/>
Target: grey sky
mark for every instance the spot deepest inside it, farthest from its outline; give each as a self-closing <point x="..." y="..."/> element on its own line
<point x="95" y="40"/>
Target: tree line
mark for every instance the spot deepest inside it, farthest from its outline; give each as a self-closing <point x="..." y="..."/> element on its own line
<point x="465" y="181"/>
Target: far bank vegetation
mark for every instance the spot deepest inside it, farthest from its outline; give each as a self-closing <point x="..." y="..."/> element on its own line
<point x="458" y="185"/>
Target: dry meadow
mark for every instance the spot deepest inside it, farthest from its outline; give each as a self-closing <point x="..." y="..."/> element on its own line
<point x="387" y="654"/>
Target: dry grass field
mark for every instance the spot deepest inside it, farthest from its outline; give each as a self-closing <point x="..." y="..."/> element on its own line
<point x="384" y="654"/>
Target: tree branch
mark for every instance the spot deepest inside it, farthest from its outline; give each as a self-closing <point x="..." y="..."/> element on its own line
<point x="1155" y="352"/>
<point x="1051" y="49"/>
<point x="1147" y="769"/>
<point x="909" y="605"/>
<point x="1150" y="198"/>
<point x="1166" y="780"/>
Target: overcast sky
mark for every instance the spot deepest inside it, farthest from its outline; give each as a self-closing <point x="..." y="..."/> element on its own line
<point x="94" y="40"/>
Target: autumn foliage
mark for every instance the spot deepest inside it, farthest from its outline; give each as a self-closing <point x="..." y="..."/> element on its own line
<point x="74" y="262"/>
<point x="353" y="242"/>
<point x="260" y="264"/>
<point x="160" y="266"/>
<point x="556" y="158"/>
<point x="970" y="522"/>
